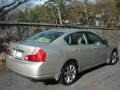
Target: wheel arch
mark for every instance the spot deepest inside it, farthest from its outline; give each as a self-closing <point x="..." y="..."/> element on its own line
<point x="115" y="49"/>
<point x="69" y="60"/>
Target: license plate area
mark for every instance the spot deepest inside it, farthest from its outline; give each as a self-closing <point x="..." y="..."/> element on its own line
<point x="17" y="53"/>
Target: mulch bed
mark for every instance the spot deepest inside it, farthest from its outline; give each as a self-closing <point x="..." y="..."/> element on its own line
<point x="3" y="68"/>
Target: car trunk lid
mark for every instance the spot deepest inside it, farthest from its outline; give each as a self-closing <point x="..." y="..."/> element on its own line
<point x="23" y="48"/>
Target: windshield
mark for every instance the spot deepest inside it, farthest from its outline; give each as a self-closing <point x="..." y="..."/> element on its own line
<point x="45" y="37"/>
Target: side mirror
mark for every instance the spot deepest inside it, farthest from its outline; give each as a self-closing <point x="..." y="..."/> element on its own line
<point x="105" y="42"/>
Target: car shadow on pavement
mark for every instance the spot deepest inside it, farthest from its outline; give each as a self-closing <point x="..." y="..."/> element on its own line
<point x="46" y="82"/>
<point x="53" y="82"/>
<point x="88" y="71"/>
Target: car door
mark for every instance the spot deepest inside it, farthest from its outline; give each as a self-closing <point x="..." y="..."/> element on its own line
<point x="100" y="49"/>
<point x="79" y="50"/>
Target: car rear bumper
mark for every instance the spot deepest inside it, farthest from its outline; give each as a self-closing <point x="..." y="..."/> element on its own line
<point x="31" y="70"/>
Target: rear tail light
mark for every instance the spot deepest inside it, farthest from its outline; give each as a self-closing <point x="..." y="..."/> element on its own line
<point x="39" y="56"/>
<point x="9" y="52"/>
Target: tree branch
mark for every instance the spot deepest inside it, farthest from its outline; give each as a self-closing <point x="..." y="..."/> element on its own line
<point x="8" y="5"/>
<point x="7" y="8"/>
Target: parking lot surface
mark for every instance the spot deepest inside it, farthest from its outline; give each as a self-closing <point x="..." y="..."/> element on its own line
<point x="104" y="77"/>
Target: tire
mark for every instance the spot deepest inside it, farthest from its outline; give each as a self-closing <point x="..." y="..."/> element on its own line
<point x="69" y="73"/>
<point x="114" y="57"/>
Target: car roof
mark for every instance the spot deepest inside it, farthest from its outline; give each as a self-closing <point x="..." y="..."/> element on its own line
<point x="67" y="30"/>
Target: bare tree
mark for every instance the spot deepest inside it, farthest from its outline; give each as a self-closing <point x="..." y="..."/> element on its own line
<point x="5" y="8"/>
<point x="58" y="5"/>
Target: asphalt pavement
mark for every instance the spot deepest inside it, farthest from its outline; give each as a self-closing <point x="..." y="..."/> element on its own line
<point x="104" y="77"/>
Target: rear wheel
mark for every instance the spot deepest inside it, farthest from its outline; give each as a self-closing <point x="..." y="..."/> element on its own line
<point x="69" y="73"/>
<point x="114" y="57"/>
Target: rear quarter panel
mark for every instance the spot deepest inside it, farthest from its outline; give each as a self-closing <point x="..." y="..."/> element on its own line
<point x="54" y="59"/>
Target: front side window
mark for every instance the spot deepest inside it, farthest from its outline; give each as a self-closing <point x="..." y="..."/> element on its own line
<point x="93" y="39"/>
<point x="75" y="39"/>
<point x="45" y="37"/>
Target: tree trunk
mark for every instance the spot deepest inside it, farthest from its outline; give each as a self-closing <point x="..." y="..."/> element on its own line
<point x="59" y="15"/>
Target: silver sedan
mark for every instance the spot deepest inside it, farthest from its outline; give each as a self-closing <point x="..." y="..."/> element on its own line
<point x="59" y="54"/>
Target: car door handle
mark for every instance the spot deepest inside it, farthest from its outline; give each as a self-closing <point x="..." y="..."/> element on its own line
<point x="77" y="49"/>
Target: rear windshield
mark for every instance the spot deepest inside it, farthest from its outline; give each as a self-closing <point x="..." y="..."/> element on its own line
<point x="45" y="37"/>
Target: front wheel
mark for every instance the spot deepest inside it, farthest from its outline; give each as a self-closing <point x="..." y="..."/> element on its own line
<point x="114" y="57"/>
<point x="69" y="73"/>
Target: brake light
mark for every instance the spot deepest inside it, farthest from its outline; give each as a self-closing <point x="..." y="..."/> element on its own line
<point x="9" y="52"/>
<point x="39" y="56"/>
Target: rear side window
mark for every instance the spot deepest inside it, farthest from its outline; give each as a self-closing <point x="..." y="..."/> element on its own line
<point x="93" y="38"/>
<point x="45" y="37"/>
<point x="75" y="39"/>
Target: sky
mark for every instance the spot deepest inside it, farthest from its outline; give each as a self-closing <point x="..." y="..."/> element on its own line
<point x="39" y="1"/>
<point x="34" y="1"/>
<point x="42" y="1"/>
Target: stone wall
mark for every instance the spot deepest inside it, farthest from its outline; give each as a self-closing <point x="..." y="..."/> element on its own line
<point x="112" y="36"/>
<point x="20" y="31"/>
<point x="25" y="31"/>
